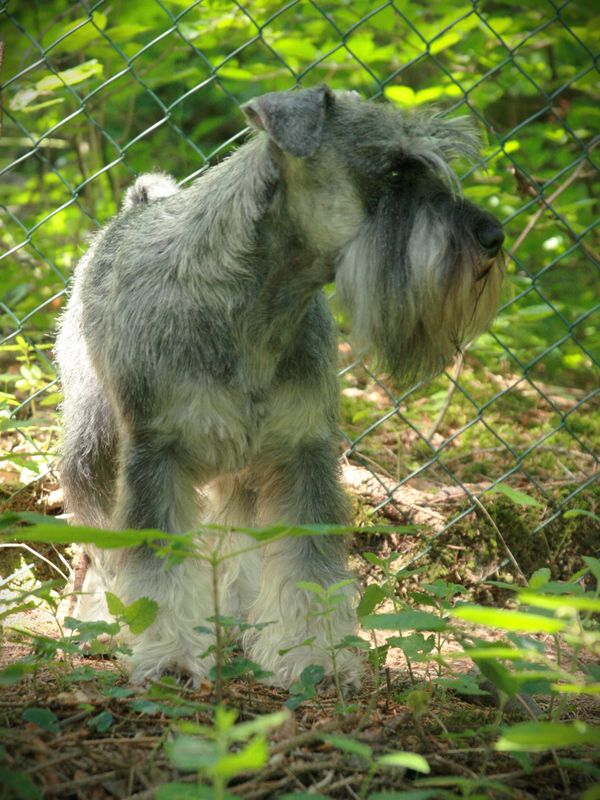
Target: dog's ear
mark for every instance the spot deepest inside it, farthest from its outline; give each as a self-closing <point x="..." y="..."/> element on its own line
<point x="294" y="120"/>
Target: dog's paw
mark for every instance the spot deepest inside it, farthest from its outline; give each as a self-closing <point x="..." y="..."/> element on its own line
<point x="186" y="669"/>
<point x="152" y="657"/>
<point x="287" y="669"/>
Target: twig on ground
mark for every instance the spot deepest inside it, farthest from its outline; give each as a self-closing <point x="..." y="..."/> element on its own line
<point x="67" y="787"/>
<point x="502" y="540"/>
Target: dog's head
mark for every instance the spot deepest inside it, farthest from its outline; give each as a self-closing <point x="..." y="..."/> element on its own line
<point x="418" y="266"/>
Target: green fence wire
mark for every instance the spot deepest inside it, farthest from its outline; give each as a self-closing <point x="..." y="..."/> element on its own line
<point x="94" y="93"/>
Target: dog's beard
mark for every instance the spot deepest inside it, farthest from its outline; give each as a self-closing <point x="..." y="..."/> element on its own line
<point x="415" y="292"/>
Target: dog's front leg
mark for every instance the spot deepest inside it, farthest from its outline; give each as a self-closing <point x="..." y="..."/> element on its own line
<point x="157" y="489"/>
<point x="301" y="486"/>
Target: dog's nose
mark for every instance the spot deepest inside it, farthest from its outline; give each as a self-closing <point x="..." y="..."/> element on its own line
<point x="490" y="236"/>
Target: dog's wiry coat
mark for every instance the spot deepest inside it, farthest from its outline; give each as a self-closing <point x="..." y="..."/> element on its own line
<point x="197" y="356"/>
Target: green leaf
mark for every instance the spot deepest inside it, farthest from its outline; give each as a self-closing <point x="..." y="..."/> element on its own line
<point x="57" y="531"/>
<point x="280" y="531"/>
<point x="190" y="754"/>
<point x="11" y="424"/>
<point x="536" y="737"/>
<point x="348" y="745"/>
<point x="252" y="757"/>
<point x="350" y="640"/>
<point x="498" y="651"/>
<point x="140" y="614"/>
<point x="334" y="590"/>
<point x="143" y="706"/>
<point x="19" y="785"/>
<point x="499" y="676"/>
<point x="304" y="688"/>
<point x="508" y="620"/>
<point x="75" y="35"/>
<point x="564" y="603"/>
<point x="404" y="761"/>
<point x="444" y="41"/>
<point x="313" y="588"/>
<point x="520" y="498"/>
<point x="240" y="666"/>
<point x="260" y="725"/>
<point x="305" y="643"/>
<point x="593" y="565"/>
<point x="19" y="608"/>
<point x="591" y="793"/>
<point x="403" y="96"/>
<point x="24" y="98"/>
<point x="414" y="645"/>
<point x="539" y="578"/>
<point x="296" y="47"/>
<point x="576" y="688"/>
<point x="91" y="630"/>
<point x="573" y="513"/>
<point x="115" y="606"/>
<point x="102" y="721"/>
<point x="373" y="595"/>
<point x="127" y="31"/>
<point x="225" y="718"/>
<point x="43" y="718"/>
<point x="15" y="672"/>
<point x="119" y="692"/>
<point x="186" y="791"/>
<point x="404" y="621"/>
<point x="71" y="77"/>
<point x="312" y="674"/>
<point x="433" y="93"/>
<point x="442" y="589"/>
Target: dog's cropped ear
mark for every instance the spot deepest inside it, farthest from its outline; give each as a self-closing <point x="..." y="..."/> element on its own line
<point x="294" y="120"/>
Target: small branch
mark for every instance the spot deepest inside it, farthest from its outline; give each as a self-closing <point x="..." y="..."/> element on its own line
<point x="36" y="554"/>
<point x="218" y="635"/>
<point x="66" y="788"/>
<point x="546" y="206"/>
<point x="507" y="549"/>
<point x="446" y="405"/>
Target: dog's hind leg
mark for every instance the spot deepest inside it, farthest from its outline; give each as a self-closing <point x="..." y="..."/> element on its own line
<point x="88" y="474"/>
<point x="88" y="460"/>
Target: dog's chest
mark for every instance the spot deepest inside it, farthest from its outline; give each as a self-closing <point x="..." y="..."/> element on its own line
<point x="229" y="430"/>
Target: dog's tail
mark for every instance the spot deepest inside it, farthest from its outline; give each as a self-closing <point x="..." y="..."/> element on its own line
<point x="149" y="187"/>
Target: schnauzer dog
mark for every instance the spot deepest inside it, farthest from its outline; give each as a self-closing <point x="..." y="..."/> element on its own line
<point x="198" y="357"/>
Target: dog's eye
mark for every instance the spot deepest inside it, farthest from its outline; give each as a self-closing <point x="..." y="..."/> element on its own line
<point x="395" y="174"/>
<point x="403" y="166"/>
<point x="400" y="168"/>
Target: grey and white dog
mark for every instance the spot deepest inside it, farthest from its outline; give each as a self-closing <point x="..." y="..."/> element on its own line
<point x="198" y="356"/>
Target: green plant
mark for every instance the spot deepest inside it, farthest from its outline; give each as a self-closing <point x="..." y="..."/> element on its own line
<point x="327" y="598"/>
<point x="209" y="751"/>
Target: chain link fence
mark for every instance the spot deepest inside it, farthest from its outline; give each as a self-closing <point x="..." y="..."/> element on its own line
<point x="95" y="92"/>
